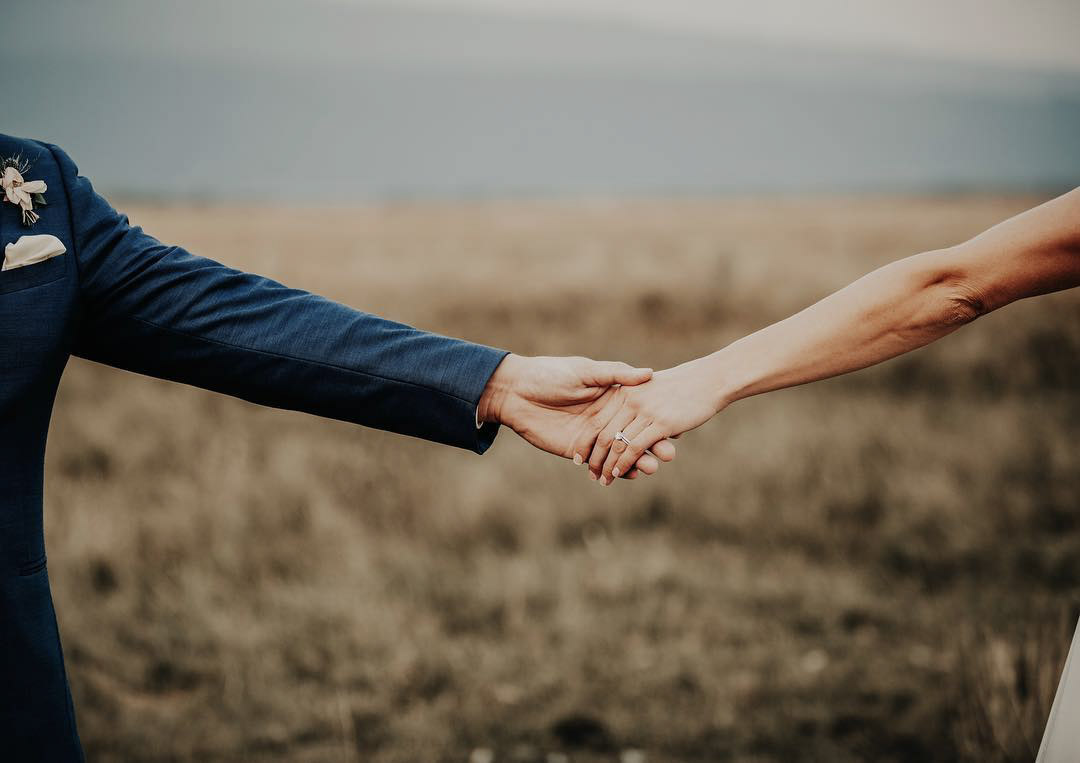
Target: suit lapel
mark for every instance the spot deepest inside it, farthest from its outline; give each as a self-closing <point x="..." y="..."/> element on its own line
<point x="6" y="232"/>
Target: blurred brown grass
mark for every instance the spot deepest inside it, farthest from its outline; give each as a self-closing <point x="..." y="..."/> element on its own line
<point x="883" y="566"/>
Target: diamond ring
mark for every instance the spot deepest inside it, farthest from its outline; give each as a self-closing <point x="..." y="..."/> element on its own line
<point x="620" y="437"/>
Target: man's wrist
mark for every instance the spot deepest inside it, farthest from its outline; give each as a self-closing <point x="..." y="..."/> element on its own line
<point x="493" y="399"/>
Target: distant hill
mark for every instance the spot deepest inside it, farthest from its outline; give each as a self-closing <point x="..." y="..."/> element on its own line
<point x="235" y="99"/>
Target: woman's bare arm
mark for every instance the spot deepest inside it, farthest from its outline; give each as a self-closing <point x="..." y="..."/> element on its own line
<point x="909" y="303"/>
<point x="897" y="308"/>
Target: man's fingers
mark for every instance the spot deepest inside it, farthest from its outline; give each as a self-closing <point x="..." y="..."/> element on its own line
<point x="604" y="373"/>
<point x="664" y="450"/>
<point x="628" y="376"/>
<point x="647" y="465"/>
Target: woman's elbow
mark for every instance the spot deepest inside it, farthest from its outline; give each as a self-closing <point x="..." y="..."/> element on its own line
<point x="963" y="304"/>
<point x="954" y="298"/>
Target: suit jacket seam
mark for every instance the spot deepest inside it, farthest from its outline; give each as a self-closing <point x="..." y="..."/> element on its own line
<point x="296" y="358"/>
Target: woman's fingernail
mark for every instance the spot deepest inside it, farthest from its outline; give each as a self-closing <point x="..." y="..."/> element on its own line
<point x="592" y="476"/>
<point x="603" y="481"/>
<point x="578" y="460"/>
<point x="615" y="472"/>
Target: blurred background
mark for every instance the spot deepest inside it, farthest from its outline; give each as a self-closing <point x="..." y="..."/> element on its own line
<point x="882" y="567"/>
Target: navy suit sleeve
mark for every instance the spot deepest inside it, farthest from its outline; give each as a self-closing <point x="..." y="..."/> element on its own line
<point x="161" y="311"/>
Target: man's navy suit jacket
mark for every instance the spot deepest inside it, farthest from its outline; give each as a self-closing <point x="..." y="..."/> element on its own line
<point x="119" y="296"/>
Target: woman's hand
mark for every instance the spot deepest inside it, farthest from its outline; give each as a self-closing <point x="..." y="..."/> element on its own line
<point x="674" y="401"/>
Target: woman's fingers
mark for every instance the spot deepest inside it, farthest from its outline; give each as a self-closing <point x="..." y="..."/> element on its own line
<point x="610" y="405"/>
<point x="605" y="439"/>
<point x="646" y="438"/>
<point x="629" y="432"/>
<point x="608" y="458"/>
<point x="606" y="471"/>
<point x="596" y="416"/>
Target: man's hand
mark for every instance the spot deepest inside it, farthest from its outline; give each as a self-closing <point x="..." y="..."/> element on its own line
<point x="561" y="404"/>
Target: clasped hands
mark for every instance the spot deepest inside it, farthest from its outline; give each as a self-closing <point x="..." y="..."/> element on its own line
<point x="573" y="408"/>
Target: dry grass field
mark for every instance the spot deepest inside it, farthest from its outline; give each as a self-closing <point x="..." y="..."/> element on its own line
<point x="881" y="567"/>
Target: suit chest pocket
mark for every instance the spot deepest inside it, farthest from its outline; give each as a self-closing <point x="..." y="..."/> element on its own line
<point x="35" y="305"/>
<point x="29" y="276"/>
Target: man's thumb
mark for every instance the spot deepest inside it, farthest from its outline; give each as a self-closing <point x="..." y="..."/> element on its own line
<point x="610" y="372"/>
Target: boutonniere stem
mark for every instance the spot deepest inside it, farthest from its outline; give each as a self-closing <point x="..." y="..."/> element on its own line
<point x="24" y="194"/>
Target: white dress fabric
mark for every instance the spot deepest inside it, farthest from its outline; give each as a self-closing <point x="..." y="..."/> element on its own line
<point x="1061" y="739"/>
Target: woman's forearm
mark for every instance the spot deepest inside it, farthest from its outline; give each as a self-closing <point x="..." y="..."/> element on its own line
<point x="897" y="308"/>
<point x="907" y="304"/>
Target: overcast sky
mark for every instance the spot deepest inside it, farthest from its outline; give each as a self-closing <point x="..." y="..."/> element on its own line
<point x="1029" y="32"/>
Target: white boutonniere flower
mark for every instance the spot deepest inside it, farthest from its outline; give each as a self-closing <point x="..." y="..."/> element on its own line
<point x="21" y="192"/>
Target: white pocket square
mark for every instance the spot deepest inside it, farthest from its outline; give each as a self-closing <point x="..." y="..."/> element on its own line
<point x="31" y="249"/>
